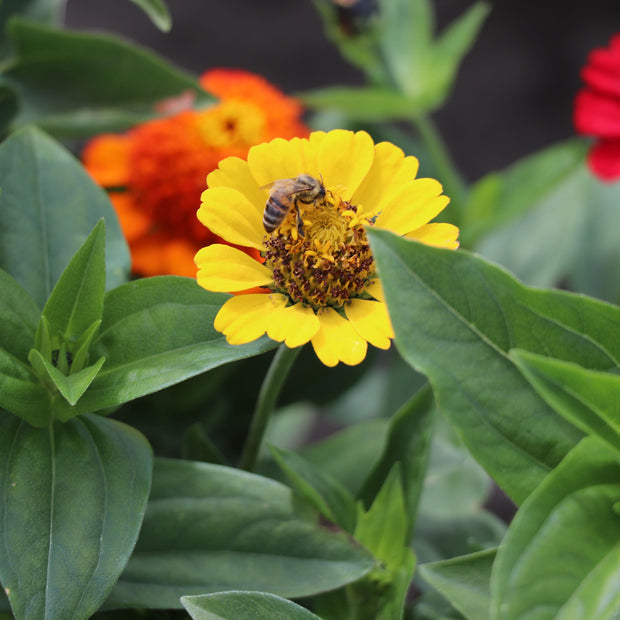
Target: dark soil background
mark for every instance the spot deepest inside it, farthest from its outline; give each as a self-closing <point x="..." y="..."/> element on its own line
<point x="513" y="95"/>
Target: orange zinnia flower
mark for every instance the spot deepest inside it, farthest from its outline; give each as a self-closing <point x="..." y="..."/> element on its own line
<point x="156" y="172"/>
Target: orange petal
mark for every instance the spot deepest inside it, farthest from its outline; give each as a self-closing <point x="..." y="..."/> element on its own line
<point x="106" y="158"/>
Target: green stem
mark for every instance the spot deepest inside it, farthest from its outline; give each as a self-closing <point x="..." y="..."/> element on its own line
<point x="269" y="392"/>
<point x="446" y="170"/>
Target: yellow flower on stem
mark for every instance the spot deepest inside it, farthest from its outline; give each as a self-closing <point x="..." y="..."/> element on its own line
<point x="317" y="276"/>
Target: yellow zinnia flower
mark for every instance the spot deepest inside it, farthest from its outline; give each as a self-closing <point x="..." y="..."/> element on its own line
<point x="316" y="271"/>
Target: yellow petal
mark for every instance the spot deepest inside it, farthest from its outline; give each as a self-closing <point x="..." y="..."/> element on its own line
<point x="228" y="213"/>
<point x="344" y="159"/>
<point x="244" y="318"/>
<point x="293" y="325"/>
<point x="225" y="269"/>
<point x="337" y="341"/>
<point x="235" y="172"/>
<point x="371" y="321"/>
<point x="438" y="234"/>
<point x="415" y="205"/>
<point x="278" y="159"/>
<point x="389" y="172"/>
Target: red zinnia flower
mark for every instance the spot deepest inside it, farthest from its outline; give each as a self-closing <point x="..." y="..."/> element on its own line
<point x="156" y="172"/>
<point x="597" y="109"/>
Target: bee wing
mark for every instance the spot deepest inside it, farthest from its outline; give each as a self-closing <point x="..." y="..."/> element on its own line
<point x="287" y="185"/>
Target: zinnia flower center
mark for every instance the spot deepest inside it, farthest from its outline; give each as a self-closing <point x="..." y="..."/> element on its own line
<point x="327" y="266"/>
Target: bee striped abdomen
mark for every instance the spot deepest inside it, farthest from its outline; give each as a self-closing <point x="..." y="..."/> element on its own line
<point x="274" y="213"/>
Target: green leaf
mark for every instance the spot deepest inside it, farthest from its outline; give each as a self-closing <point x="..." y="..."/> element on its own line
<point x="210" y="528"/>
<point x="244" y="606"/>
<point x="421" y="67"/>
<point x="77" y="299"/>
<point x="20" y="391"/>
<point x="77" y="84"/>
<point x="71" y="387"/>
<point x="464" y="581"/>
<point x="9" y="106"/>
<point x="348" y="455"/>
<point x="323" y="491"/>
<point x="49" y="206"/>
<point x="530" y="184"/>
<point x="408" y="444"/>
<point x="45" y="11"/>
<point x="364" y="103"/>
<point x="384" y="527"/>
<point x="359" y="48"/>
<point x="468" y="315"/>
<point x="19" y="316"/>
<point x="385" y="530"/>
<point x="156" y="332"/>
<point x="454" y="484"/>
<point x="74" y="496"/>
<point x="596" y="252"/>
<point x="561" y="556"/>
<point x="157" y="11"/>
<point x="587" y="398"/>
<point x="540" y="246"/>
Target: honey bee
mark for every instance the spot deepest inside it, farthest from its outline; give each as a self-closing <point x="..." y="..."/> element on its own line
<point x="286" y="193"/>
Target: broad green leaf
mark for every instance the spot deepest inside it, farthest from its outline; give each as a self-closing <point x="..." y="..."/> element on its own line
<point x="156" y="332"/>
<point x="455" y="484"/>
<point x="597" y="252"/>
<point x="559" y="222"/>
<point x="157" y="11"/>
<point x="323" y="491"/>
<point x="210" y="528"/>
<point x="19" y="316"/>
<point x="468" y="315"/>
<point x="542" y="243"/>
<point x="365" y="104"/>
<point x="464" y="581"/>
<point x="439" y="538"/>
<point x="45" y="11"/>
<point x="77" y="299"/>
<point x="77" y="84"/>
<point x="408" y="444"/>
<point x="74" y="497"/>
<point x="406" y="41"/>
<point x="348" y="455"/>
<point x="48" y="207"/>
<point x="244" y="606"/>
<point x="20" y="391"/>
<point x="587" y="398"/>
<point x="528" y="184"/>
<point x="560" y="559"/>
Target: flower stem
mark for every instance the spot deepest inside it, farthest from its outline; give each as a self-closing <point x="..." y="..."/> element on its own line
<point x="454" y="186"/>
<point x="269" y="392"/>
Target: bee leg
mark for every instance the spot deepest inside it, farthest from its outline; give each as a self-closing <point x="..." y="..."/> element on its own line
<point x="300" y="222"/>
